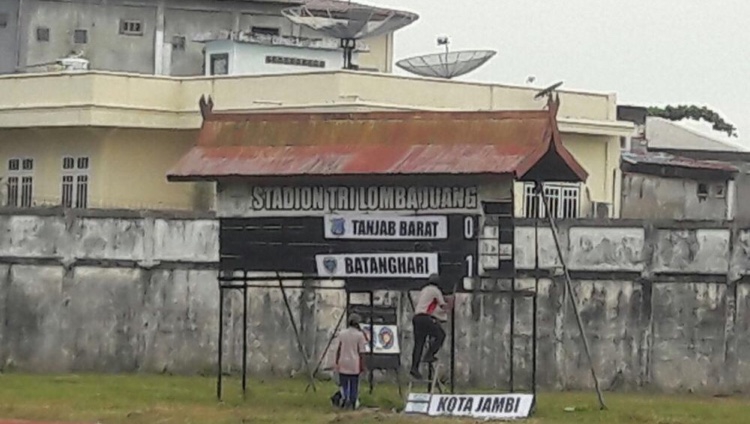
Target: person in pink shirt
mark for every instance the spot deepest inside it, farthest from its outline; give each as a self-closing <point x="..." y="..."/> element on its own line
<point x="350" y="352"/>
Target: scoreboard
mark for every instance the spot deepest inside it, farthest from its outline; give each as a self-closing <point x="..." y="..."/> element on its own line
<point x="378" y="251"/>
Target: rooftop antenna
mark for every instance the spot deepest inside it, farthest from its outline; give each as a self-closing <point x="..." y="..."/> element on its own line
<point x="446" y="65"/>
<point x="548" y="91"/>
<point x="349" y="22"/>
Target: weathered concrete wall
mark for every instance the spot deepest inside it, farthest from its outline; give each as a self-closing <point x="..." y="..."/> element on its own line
<point x="665" y="305"/>
<point x="163" y="22"/>
<point x="8" y="35"/>
<point x="652" y="197"/>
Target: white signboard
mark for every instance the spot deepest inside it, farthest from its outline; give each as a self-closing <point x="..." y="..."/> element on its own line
<point x="385" y="227"/>
<point x="499" y="407"/>
<point x="362" y="199"/>
<point x="386" y="339"/>
<point x="377" y="265"/>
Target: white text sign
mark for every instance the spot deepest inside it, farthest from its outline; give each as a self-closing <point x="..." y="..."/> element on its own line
<point x="511" y="406"/>
<point x="362" y="199"/>
<point x="377" y="265"/>
<point x="385" y="227"/>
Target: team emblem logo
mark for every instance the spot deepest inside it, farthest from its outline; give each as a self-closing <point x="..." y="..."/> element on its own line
<point x="330" y="265"/>
<point x="337" y="226"/>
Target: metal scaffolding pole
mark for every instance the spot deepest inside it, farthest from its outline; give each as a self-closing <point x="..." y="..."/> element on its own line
<point x="573" y="299"/>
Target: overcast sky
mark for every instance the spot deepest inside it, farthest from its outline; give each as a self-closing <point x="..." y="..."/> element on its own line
<point x="648" y="52"/>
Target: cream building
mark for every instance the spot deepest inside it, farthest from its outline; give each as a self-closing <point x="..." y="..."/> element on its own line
<point x="107" y="140"/>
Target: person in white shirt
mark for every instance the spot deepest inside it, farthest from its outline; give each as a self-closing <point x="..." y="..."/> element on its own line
<point x="430" y="311"/>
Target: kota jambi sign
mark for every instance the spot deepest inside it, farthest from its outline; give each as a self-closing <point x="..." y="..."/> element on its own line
<point x="488" y="407"/>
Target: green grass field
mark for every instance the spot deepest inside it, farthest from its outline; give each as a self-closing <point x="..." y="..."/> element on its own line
<point x="168" y="399"/>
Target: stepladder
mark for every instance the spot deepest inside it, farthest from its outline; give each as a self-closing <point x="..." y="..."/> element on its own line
<point x="433" y="380"/>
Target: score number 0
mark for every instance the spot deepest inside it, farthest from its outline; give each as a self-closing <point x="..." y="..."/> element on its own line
<point x="469" y="234"/>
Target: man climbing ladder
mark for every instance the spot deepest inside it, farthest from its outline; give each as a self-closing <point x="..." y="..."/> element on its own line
<point x="430" y="312"/>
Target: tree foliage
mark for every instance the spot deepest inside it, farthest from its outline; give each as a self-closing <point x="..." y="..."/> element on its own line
<point x="678" y="113"/>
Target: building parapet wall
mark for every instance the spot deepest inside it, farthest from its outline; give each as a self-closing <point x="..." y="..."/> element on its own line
<point x="141" y="101"/>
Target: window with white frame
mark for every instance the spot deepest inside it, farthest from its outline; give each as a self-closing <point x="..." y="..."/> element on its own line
<point x="75" y="182"/>
<point x="563" y="200"/>
<point x="20" y="182"/>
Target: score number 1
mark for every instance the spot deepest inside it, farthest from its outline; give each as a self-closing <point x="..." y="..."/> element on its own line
<point x="470" y="234"/>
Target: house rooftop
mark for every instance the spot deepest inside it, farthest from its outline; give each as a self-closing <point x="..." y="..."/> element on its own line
<point x="669" y="165"/>
<point x="523" y="144"/>
<point x="663" y="134"/>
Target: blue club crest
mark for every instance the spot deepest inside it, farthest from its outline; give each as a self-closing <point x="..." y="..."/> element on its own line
<point x="338" y="226"/>
<point x="330" y="265"/>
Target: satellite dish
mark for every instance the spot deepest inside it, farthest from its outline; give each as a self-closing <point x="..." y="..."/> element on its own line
<point x="446" y="65"/>
<point x="548" y="91"/>
<point x="348" y="21"/>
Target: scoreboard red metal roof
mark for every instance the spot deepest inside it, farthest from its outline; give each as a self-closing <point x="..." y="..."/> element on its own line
<point x="524" y="144"/>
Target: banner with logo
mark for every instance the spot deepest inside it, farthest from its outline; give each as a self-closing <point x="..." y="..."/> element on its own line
<point x="377" y="265"/>
<point x="385" y="227"/>
<point x="499" y="407"/>
<point x="386" y="339"/>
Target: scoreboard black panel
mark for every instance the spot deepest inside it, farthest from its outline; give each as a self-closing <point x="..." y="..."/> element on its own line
<point x="290" y="244"/>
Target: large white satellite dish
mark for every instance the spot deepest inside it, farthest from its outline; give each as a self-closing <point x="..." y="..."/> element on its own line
<point x="348" y="21"/>
<point x="446" y="65"/>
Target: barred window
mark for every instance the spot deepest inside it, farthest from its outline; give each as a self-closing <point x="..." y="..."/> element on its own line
<point x="75" y="182"/>
<point x="563" y="200"/>
<point x="20" y="182"/>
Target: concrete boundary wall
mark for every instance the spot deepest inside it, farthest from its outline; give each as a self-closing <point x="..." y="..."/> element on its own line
<point x="666" y="304"/>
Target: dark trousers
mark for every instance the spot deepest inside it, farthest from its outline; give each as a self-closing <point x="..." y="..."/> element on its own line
<point x="426" y="326"/>
<point x="350" y="387"/>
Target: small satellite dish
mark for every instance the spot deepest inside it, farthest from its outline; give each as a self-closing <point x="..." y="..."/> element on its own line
<point x="348" y="21"/>
<point x="548" y="91"/>
<point x="446" y="65"/>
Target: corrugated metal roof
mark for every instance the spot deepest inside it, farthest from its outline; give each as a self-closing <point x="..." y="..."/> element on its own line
<point x="347" y="160"/>
<point x="515" y="130"/>
<point x="665" y="159"/>
<point x="409" y="142"/>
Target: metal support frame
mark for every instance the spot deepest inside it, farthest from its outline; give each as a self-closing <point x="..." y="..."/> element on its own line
<point x="300" y="346"/>
<point x="371" y="372"/>
<point x="511" y="378"/>
<point x="245" y="283"/>
<point x="535" y="306"/>
<point x="330" y="342"/>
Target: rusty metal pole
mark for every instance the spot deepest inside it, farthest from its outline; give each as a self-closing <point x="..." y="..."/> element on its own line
<point x="573" y="300"/>
<point x="300" y="345"/>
